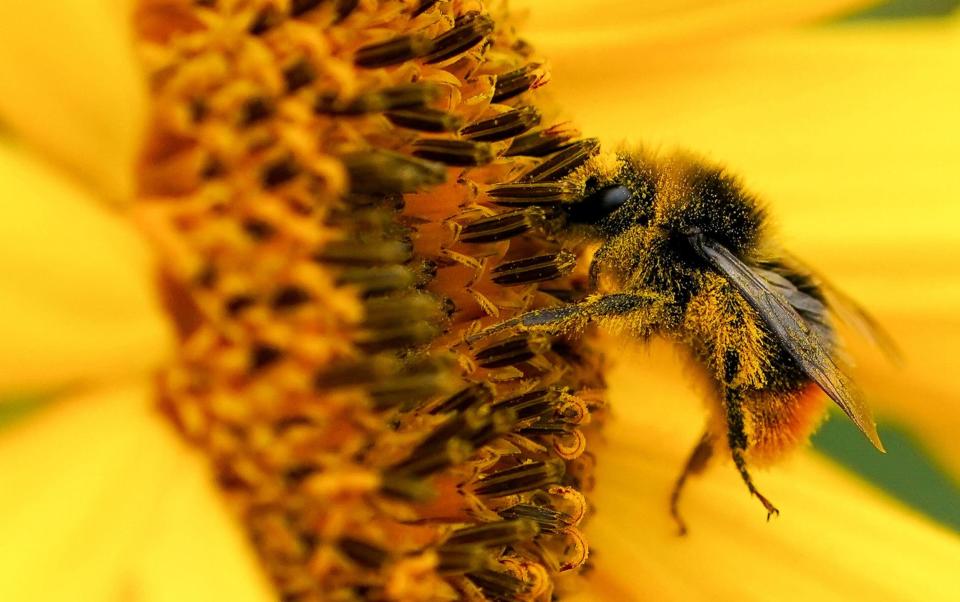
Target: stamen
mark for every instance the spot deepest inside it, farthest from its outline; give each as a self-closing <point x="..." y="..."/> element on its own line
<point x="516" y="82"/>
<point x="532" y="404"/>
<point x="541" y="143"/>
<point x="392" y="52"/>
<point x="563" y="162"/>
<point x="498" y="533"/>
<point x="473" y="395"/>
<point x="298" y="75"/>
<point x="409" y="389"/>
<point x="423" y="7"/>
<point x="300" y="7"/>
<point x="498" y="585"/>
<point x="289" y="297"/>
<point x="547" y="519"/>
<point x="512" y="351"/>
<point x="542" y="193"/>
<point x="425" y="120"/>
<point x="519" y="479"/>
<point x="375" y="101"/>
<point x="386" y="312"/>
<point x="256" y="109"/>
<point x="502" y="226"/>
<point x="363" y="553"/>
<point x="505" y="125"/>
<point x="461" y="559"/>
<point x="462" y="153"/>
<point x="377" y="281"/>
<point x="534" y="269"/>
<point x="469" y="30"/>
<point x="348" y="252"/>
<point x="383" y="172"/>
<point x="279" y="172"/>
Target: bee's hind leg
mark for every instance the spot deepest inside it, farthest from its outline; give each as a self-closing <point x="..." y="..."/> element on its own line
<point x="697" y="461"/>
<point x="737" y="439"/>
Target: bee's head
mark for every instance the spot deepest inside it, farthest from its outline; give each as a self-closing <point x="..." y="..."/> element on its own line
<point x="667" y="199"/>
<point x="618" y="194"/>
<point x="700" y="198"/>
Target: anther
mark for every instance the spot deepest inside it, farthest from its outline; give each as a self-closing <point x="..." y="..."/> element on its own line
<point x="392" y="52"/>
<point x="376" y="281"/>
<point x="548" y="519"/>
<point x="534" y="269"/>
<point x="299" y="7"/>
<point x="503" y="126"/>
<point x="258" y="229"/>
<point x="461" y="153"/>
<point x="423" y="7"/>
<point x="237" y="303"/>
<point x="472" y="395"/>
<point x="298" y="75"/>
<point x="461" y="559"/>
<point x="289" y="297"/>
<point x="364" y="253"/>
<point x="345" y="8"/>
<point x="512" y="351"/>
<point x="468" y="31"/>
<point x="519" y="194"/>
<point x="563" y="162"/>
<point x="264" y="355"/>
<point x="502" y="226"/>
<point x="386" y="312"/>
<point x="497" y="533"/>
<point x="532" y="404"/>
<point x="519" y="479"/>
<point x="516" y="82"/>
<point x="498" y="585"/>
<point x="425" y="120"/>
<point x="256" y="109"/>
<point x="268" y="18"/>
<point x="279" y="172"/>
<point x="420" y="465"/>
<point x="541" y="143"/>
<point x="407" y="389"/>
<point x="385" y="99"/>
<point x="385" y="172"/>
<point x="363" y="553"/>
<point x="410" y="334"/>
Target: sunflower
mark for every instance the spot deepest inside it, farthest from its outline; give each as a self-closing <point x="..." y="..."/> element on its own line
<point x="142" y="309"/>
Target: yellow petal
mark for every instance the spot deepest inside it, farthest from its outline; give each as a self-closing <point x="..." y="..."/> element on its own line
<point x="610" y="31"/>
<point x="77" y="298"/>
<point x="70" y="86"/>
<point x="100" y="496"/>
<point x="836" y="539"/>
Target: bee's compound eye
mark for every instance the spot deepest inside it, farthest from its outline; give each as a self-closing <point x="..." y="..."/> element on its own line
<point x="611" y="198"/>
<point x="599" y="205"/>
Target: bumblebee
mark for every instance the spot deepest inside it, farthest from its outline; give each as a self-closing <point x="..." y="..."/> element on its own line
<point x="686" y="253"/>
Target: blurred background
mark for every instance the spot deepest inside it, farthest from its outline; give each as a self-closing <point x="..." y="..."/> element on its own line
<point x="844" y="118"/>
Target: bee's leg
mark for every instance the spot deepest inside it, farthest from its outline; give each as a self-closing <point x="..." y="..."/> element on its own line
<point x="737" y="439"/>
<point x="695" y="464"/>
<point x="595" y="264"/>
<point x="570" y="318"/>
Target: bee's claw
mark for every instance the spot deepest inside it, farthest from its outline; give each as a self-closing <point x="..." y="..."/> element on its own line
<point x="771" y="509"/>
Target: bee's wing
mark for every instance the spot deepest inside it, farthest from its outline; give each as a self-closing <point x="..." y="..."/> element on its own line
<point x="855" y="316"/>
<point x="790" y="330"/>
